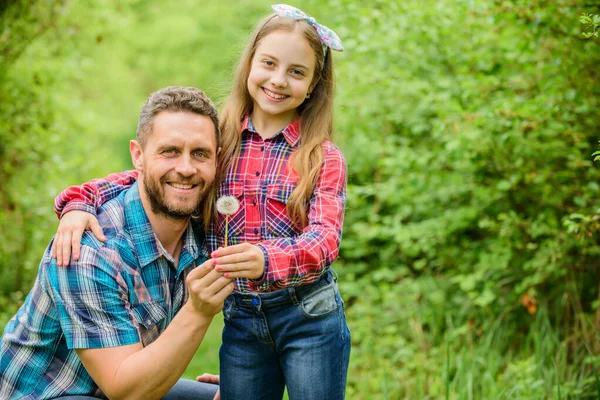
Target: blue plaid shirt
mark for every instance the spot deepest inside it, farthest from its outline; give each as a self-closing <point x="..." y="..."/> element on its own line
<point x="121" y="292"/>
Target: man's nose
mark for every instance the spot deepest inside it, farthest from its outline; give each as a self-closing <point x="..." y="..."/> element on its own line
<point x="184" y="166"/>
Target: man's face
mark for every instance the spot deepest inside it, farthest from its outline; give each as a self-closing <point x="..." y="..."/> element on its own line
<point x="178" y="163"/>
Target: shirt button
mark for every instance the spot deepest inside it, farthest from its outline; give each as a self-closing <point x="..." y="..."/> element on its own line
<point x="256" y="231"/>
<point x="254" y="202"/>
<point x="257" y="173"/>
<point x="262" y="148"/>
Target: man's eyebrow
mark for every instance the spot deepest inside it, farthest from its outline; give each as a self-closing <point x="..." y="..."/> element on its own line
<point x="204" y="149"/>
<point x="166" y="146"/>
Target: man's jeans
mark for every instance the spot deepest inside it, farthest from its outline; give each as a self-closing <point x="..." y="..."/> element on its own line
<point x="184" y="389"/>
<point x="294" y="337"/>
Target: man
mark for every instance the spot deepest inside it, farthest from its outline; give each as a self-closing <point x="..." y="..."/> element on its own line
<point x="125" y="319"/>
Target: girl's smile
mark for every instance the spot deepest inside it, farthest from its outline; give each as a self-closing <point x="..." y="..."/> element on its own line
<point x="281" y="76"/>
<point x="274" y="95"/>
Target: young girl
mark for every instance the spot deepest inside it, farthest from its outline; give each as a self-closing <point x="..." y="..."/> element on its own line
<point x="285" y="323"/>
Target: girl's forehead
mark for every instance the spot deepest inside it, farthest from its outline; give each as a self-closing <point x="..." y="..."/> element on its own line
<point x="287" y="47"/>
<point x="286" y="34"/>
<point x="281" y="40"/>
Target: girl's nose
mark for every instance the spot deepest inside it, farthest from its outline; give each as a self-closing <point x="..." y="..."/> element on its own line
<point x="278" y="79"/>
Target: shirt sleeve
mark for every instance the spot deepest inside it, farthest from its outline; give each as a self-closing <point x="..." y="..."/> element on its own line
<point x="91" y="195"/>
<point x="293" y="261"/>
<point x="91" y="301"/>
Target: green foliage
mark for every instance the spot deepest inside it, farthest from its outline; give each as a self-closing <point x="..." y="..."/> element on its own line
<point x="468" y="130"/>
<point x="590" y="21"/>
<point x="42" y="53"/>
<point x="471" y="240"/>
<point x="73" y="77"/>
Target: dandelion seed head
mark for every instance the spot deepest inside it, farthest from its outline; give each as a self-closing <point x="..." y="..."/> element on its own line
<point x="227" y="205"/>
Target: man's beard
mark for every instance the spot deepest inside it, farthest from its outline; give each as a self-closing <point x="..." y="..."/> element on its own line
<point x="159" y="204"/>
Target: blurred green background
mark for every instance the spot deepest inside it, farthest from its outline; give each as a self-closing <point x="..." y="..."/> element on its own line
<point x="470" y="263"/>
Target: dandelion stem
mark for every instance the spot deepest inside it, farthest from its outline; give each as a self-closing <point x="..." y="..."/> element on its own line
<point x="226" y="230"/>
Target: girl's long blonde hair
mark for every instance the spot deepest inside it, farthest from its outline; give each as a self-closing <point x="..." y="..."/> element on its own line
<point x="316" y="114"/>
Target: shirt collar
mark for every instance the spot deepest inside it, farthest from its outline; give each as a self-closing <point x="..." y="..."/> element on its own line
<point x="291" y="133"/>
<point x="147" y="246"/>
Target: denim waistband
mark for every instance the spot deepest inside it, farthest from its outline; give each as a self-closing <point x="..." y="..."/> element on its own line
<point x="292" y="295"/>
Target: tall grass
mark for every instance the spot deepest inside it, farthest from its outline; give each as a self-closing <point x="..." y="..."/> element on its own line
<point x="412" y="340"/>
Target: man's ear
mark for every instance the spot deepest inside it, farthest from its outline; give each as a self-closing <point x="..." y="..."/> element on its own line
<point x="136" y="154"/>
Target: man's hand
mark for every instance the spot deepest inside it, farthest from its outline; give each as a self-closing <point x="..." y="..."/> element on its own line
<point x="68" y="237"/>
<point x="210" y="378"/>
<point x="240" y="261"/>
<point x="208" y="289"/>
<point x="139" y="371"/>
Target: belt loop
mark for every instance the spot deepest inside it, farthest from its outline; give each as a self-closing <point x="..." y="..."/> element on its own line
<point x="334" y="274"/>
<point x="292" y="293"/>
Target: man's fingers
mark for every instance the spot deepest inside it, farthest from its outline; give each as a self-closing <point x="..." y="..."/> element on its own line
<point x="200" y="271"/>
<point x="218" y="285"/>
<point x="225" y="291"/>
<point x="97" y="230"/>
<point x="214" y="293"/>
<point x="209" y="285"/>
<point x="208" y="378"/>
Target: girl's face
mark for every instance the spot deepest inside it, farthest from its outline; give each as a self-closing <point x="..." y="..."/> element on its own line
<point x="280" y="76"/>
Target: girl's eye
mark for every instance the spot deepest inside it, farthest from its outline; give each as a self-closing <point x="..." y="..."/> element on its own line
<point x="297" y="72"/>
<point x="269" y="63"/>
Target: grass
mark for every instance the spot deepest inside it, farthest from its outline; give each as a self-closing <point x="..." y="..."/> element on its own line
<point x="207" y="356"/>
<point x="405" y="345"/>
<point x="453" y="364"/>
<point x="468" y="369"/>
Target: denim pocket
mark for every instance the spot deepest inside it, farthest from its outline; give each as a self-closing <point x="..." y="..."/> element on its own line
<point x="228" y="307"/>
<point x="321" y="302"/>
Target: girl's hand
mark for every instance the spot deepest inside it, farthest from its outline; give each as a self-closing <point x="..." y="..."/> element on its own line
<point x="210" y="378"/>
<point x="68" y="237"/>
<point x="240" y="261"/>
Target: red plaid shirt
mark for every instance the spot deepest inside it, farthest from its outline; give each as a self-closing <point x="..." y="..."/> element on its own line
<point x="261" y="180"/>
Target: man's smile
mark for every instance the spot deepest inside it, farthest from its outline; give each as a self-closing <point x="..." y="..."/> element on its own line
<point x="181" y="185"/>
